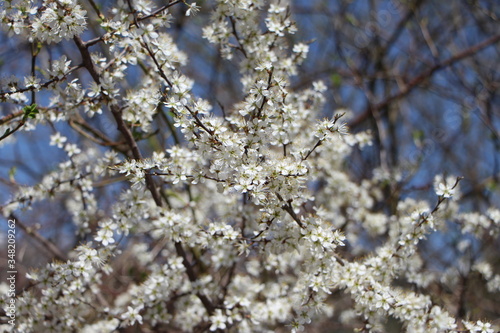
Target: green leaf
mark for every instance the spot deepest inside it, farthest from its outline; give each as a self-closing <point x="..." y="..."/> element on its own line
<point x="336" y="79"/>
<point x="352" y="19"/>
<point x="418" y="136"/>
<point x="7" y="131"/>
<point x="30" y="111"/>
<point x="491" y="185"/>
<point x="12" y="173"/>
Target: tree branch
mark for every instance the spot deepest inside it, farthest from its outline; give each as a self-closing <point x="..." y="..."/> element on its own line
<point x="423" y="77"/>
<point x="54" y="250"/>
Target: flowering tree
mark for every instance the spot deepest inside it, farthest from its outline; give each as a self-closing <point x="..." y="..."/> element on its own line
<point x="179" y="213"/>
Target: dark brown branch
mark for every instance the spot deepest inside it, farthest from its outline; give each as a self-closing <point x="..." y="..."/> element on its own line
<point x="54" y="250"/>
<point x="136" y="153"/>
<point x="116" y="112"/>
<point x="87" y="59"/>
<point x="235" y="33"/>
<point x="43" y="85"/>
<point x="129" y="138"/>
<point x="159" y="10"/>
<point x="98" y="137"/>
<point x="9" y="132"/>
<point x="11" y="116"/>
<point x="381" y="106"/>
<point x="193" y="278"/>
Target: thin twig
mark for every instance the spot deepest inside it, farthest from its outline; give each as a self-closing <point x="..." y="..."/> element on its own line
<point x="42" y="240"/>
<point x="381" y="106"/>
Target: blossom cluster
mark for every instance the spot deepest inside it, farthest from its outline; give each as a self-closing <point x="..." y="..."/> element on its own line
<point x="50" y="22"/>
